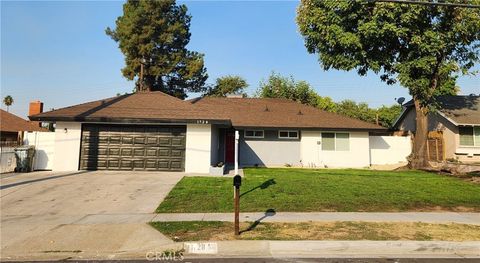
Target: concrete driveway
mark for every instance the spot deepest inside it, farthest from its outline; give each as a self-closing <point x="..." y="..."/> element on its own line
<point x="46" y="215"/>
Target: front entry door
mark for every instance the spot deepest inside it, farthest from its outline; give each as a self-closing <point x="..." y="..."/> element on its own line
<point x="229" y="146"/>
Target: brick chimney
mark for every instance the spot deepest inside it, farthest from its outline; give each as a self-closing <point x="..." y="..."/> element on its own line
<point x="35" y="107"/>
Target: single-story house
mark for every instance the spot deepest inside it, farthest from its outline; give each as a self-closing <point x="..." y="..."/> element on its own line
<point x="457" y="120"/>
<point x="12" y="128"/>
<point x="155" y="131"/>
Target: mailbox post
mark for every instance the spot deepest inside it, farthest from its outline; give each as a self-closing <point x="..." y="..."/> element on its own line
<point x="237" y="182"/>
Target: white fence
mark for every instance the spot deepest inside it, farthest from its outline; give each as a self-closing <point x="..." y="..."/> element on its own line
<point x="389" y="149"/>
<point x="44" y="143"/>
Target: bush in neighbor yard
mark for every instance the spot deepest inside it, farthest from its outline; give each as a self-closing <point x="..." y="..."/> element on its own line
<point x="308" y="190"/>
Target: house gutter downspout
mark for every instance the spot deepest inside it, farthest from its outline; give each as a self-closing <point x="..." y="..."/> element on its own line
<point x="237" y="137"/>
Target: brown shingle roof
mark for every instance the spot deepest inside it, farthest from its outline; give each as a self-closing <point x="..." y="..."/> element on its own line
<point x="240" y="112"/>
<point x="281" y="113"/>
<point x="12" y="123"/>
<point x="461" y="109"/>
<point x="142" y="106"/>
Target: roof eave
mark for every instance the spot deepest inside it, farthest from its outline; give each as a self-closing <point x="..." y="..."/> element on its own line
<point x="380" y="129"/>
<point x="128" y="120"/>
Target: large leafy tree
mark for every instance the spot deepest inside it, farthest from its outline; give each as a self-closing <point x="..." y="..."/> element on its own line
<point x="228" y="85"/>
<point x="423" y="47"/>
<point x="359" y="111"/>
<point x="387" y="115"/>
<point x="326" y="103"/>
<point x="277" y="86"/>
<point x="155" y="34"/>
<point x="8" y="101"/>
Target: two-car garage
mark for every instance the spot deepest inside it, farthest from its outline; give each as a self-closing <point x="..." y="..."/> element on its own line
<point x="132" y="147"/>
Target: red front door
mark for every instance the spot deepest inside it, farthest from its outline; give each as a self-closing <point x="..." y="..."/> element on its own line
<point x="229" y="147"/>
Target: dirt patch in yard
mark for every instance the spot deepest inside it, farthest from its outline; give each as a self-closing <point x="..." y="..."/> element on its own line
<point x="201" y="230"/>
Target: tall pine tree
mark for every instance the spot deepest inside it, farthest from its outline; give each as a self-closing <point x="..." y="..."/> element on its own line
<point x="155" y="34"/>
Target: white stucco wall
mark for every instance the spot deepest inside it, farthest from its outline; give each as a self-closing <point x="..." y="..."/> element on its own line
<point x="67" y="146"/>
<point x="389" y="149"/>
<point x="269" y="151"/>
<point x="198" y="148"/>
<point x="313" y="156"/>
<point x="44" y="143"/>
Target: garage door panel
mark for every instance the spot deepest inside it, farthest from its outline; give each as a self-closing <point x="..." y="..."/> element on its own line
<point x="163" y="164"/>
<point x="139" y="152"/>
<point x="114" y="152"/>
<point x="164" y="141"/>
<point x="127" y="152"/>
<point x="137" y="147"/>
<point x="151" y="164"/>
<point x="176" y="153"/>
<point x="139" y="140"/>
<point x="152" y="140"/>
<point x="113" y="164"/>
<point x="176" y="164"/>
<point x="126" y="164"/>
<point x="101" y="139"/>
<point x="151" y="152"/>
<point x="101" y="151"/>
<point x="139" y="164"/>
<point x="177" y="141"/>
<point x="114" y="139"/>
<point x="127" y="140"/>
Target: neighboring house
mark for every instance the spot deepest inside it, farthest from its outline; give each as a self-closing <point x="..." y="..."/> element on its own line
<point x="12" y="132"/>
<point x="154" y="131"/>
<point x="458" y="123"/>
<point x="12" y="128"/>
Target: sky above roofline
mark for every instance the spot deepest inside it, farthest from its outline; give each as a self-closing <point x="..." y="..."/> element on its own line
<point x="57" y="52"/>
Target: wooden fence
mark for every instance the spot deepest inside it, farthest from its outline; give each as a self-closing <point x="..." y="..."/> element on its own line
<point x="436" y="146"/>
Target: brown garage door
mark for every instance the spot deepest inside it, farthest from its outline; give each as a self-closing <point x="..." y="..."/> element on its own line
<point x="132" y="147"/>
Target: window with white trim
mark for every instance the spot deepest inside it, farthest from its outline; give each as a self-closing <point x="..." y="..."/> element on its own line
<point x="283" y="134"/>
<point x="254" y="134"/>
<point x="469" y="136"/>
<point x="335" y="141"/>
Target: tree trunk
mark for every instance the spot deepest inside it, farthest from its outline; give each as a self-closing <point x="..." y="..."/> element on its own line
<point x="419" y="158"/>
<point x="148" y="83"/>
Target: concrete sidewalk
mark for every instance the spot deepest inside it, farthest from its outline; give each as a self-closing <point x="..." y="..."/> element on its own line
<point x="426" y="217"/>
<point x="337" y="249"/>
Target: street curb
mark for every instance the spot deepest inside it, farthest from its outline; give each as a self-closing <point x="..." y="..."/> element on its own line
<point x="329" y="249"/>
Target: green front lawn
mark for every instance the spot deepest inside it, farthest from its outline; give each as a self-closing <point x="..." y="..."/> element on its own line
<point x="306" y="190"/>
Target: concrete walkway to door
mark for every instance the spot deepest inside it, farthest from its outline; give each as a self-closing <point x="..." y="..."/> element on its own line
<point x="42" y="213"/>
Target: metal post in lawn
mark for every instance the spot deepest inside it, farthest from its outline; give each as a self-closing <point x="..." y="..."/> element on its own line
<point x="237" y="182"/>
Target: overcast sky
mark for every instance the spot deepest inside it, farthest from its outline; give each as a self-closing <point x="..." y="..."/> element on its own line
<point x="57" y="52"/>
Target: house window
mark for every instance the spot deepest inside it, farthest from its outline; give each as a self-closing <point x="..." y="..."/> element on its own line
<point x="254" y="134"/>
<point x="288" y="134"/>
<point x="469" y="136"/>
<point x="332" y="141"/>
